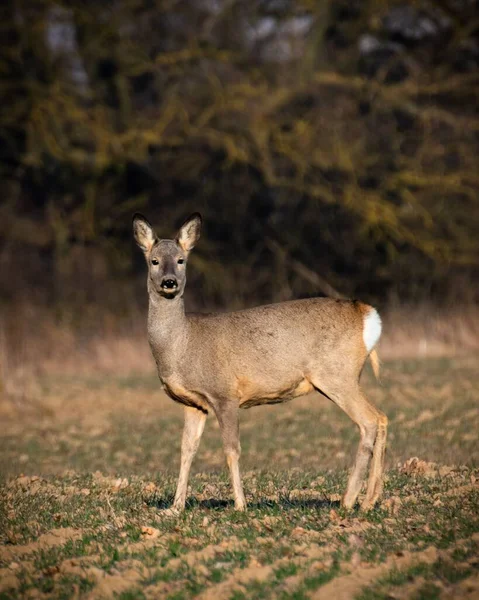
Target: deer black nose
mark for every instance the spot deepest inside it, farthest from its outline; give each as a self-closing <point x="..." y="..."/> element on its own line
<point x="169" y="284"/>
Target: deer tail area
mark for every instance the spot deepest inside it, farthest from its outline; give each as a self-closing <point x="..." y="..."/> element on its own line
<point x="371" y="333"/>
<point x="375" y="362"/>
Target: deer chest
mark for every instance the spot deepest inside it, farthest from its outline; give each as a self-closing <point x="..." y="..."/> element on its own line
<point x="179" y="393"/>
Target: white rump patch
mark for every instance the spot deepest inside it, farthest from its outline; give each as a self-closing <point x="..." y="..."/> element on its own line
<point x="372" y="329"/>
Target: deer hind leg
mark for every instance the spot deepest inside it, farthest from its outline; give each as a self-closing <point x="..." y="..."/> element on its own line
<point x="229" y="424"/>
<point x="372" y="425"/>
<point x="193" y="429"/>
<point x="375" y="482"/>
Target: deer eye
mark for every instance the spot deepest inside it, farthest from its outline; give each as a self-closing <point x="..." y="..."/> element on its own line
<point x="181" y="261"/>
<point x="154" y="262"/>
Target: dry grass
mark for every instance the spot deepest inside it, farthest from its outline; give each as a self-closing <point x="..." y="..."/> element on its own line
<point x="424" y="331"/>
<point x="34" y="342"/>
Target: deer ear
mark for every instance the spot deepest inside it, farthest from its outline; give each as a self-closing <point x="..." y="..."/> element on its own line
<point x="189" y="232"/>
<point x="145" y="237"/>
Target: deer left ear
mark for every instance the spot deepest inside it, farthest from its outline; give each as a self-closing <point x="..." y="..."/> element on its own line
<point x="189" y="232"/>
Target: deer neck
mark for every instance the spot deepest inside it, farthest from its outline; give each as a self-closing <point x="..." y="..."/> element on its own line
<point x="167" y="332"/>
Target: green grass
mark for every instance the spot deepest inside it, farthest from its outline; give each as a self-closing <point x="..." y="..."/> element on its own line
<point x="98" y="457"/>
<point x="442" y="574"/>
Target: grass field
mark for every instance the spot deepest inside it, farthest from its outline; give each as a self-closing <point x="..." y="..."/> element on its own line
<point x="87" y="466"/>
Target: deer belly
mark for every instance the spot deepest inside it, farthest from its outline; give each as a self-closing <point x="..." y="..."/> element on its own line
<point x="252" y="393"/>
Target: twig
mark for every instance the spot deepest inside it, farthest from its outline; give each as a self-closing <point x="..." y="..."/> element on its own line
<point x="305" y="272"/>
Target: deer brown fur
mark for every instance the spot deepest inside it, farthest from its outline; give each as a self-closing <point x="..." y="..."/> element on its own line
<point x="221" y="362"/>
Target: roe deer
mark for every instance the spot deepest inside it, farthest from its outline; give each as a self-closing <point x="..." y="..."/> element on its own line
<point x="263" y="355"/>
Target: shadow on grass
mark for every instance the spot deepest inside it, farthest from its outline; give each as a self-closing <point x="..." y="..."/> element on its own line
<point x="216" y="504"/>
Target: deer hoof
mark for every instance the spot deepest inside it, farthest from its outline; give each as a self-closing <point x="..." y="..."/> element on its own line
<point x="367" y="505"/>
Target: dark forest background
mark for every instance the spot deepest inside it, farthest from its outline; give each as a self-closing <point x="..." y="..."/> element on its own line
<point x="331" y="146"/>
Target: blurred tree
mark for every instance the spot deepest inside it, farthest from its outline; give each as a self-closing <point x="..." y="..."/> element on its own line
<point x="333" y="144"/>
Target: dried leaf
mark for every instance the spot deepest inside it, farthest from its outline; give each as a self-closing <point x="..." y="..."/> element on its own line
<point x="150" y="532"/>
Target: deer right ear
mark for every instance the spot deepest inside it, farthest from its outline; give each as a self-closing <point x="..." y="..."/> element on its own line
<point x="145" y="237"/>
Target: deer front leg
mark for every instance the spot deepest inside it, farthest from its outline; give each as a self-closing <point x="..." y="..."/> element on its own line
<point x="193" y="429"/>
<point x="227" y="414"/>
